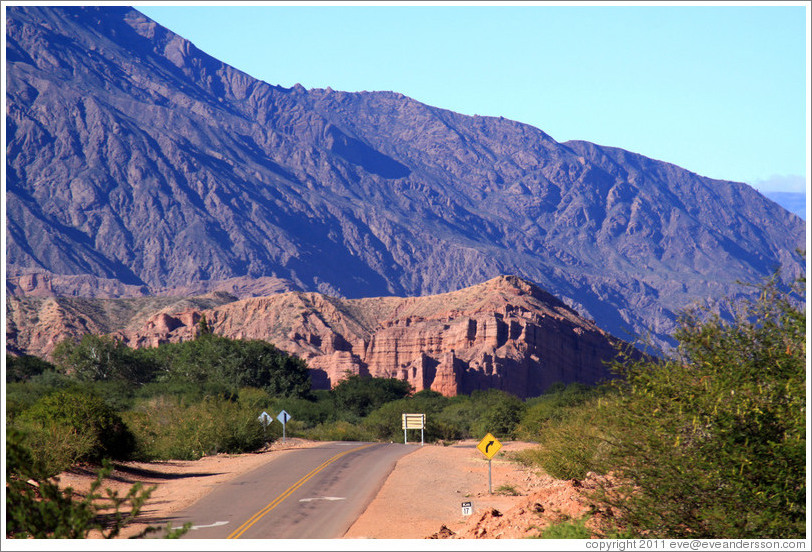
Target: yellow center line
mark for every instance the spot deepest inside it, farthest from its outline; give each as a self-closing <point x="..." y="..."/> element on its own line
<point x="278" y="500"/>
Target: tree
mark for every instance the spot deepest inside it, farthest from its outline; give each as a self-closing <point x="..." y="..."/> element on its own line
<point x="233" y="364"/>
<point x="24" y="367"/>
<point x="101" y="358"/>
<point x="203" y="327"/>
<point x="358" y="396"/>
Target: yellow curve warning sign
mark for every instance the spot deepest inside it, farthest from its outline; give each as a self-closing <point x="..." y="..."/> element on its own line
<point x="489" y="446"/>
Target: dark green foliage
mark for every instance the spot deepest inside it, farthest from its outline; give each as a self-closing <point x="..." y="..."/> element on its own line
<point x="385" y="422"/>
<point x="495" y="412"/>
<point x="502" y="417"/>
<point x="22" y="395"/>
<point x="22" y="368"/>
<point x="356" y="396"/>
<point x="37" y="508"/>
<point x="571" y="442"/>
<point x="102" y="358"/>
<point x="339" y="430"/>
<point x="708" y="443"/>
<point x="203" y="327"/>
<point x="231" y="363"/>
<point x="309" y="413"/>
<point x="87" y="417"/>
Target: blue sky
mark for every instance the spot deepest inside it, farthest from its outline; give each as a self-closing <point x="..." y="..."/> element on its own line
<point x="719" y="90"/>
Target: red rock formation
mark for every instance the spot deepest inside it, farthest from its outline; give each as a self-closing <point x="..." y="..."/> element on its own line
<point x="505" y="333"/>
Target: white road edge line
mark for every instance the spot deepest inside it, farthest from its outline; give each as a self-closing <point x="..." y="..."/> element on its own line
<point x="322" y="498"/>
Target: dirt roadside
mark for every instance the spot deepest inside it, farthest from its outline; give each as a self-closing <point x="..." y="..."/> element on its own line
<point x="422" y="498"/>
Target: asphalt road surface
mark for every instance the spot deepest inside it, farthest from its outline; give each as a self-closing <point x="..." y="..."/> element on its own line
<point x="308" y="493"/>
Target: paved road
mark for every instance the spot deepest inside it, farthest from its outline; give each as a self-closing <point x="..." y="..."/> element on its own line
<point x="308" y="493"/>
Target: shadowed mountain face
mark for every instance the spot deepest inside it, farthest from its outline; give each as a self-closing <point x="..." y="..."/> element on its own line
<point x="141" y="165"/>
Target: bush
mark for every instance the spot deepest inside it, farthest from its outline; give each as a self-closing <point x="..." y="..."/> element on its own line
<point x="554" y="405"/>
<point x="303" y="411"/>
<point x="22" y="395"/>
<point x="570" y="445"/>
<point x="87" y="417"/>
<point x="167" y="428"/>
<point x="495" y="412"/>
<point x="457" y="417"/>
<point x="102" y="358"/>
<point x="386" y="422"/>
<point x="56" y="447"/>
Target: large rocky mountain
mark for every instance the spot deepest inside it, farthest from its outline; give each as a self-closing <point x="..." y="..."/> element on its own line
<point x="139" y="165"/>
<point x="505" y="333"/>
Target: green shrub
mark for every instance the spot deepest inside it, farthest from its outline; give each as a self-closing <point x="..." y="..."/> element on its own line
<point x="56" y="446"/>
<point x="386" y="422"/>
<point x="230" y="363"/>
<point x="87" y="417"/>
<point x="189" y="392"/>
<point x="553" y="405"/>
<point x="22" y="395"/>
<point x="496" y="412"/>
<point x="568" y="529"/>
<point x="570" y="446"/>
<point x="167" y="428"/>
<point x="457" y="417"/>
<point x="307" y="412"/>
<point x="102" y="358"/>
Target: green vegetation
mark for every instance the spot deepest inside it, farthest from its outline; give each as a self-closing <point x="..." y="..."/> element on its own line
<point x="83" y="425"/>
<point x="567" y="529"/>
<point x="709" y="443"/>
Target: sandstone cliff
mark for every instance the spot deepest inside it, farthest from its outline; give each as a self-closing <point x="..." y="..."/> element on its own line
<point x="505" y="333"/>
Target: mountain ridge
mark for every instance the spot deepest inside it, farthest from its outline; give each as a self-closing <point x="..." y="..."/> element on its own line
<point x="133" y="157"/>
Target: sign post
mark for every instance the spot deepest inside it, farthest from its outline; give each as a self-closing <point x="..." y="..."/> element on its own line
<point x="489" y="446"/>
<point x="414" y="421"/>
<point x="264" y="419"/>
<point x="283" y="419"/>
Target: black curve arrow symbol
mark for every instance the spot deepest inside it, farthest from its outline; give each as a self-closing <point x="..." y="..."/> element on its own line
<point x="488" y="446"/>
